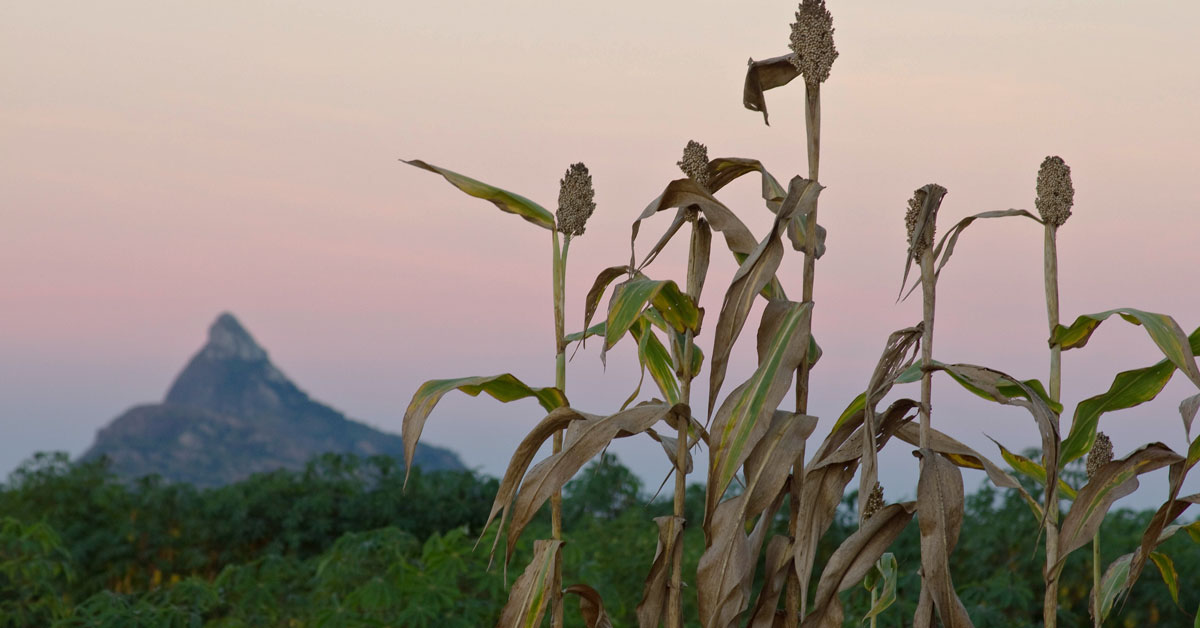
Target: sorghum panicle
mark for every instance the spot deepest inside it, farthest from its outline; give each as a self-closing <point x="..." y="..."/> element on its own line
<point x="874" y="502"/>
<point x="919" y="242"/>
<point x="575" y="200"/>
<point x="1055" y="193"/>
<point x="1100" y="455"/>
<point x="812" y="41"/>
<point x="695" y="163"/>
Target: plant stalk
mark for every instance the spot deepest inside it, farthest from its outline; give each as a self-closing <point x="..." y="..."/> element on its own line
<point x="874" y="600"/>
<point x="675" y="593"/>
<point x="928" y="300"/>
<point x="560" y="382"/>
<point x="796" y="601"/>
<point x="1050" y="601"/>
<point x="1096" y="620"/>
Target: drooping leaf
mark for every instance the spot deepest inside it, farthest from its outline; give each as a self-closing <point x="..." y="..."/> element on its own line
<point x="506" y="201"/>
<point x="504" y="388"/>
<point x="899" y="353"/>
<point x="933" y="200"/>
<point x="763" y="75"/>
<point x="549" y="475"/>
<point x="1157" y="531"/>
<point x="591" y="606"/>
<point x="1166" y="567"/>
<point x="652" y="609"/>
<point x="1110" y="483"/>
<point x="854" y="558"/>
<point x="725" y="572"/>
<point x="783" y="336"/>
<point x="653" y="356"/>
<point x="1115" y="581"/>
<point x="670" y="445"/>
<point x="1032" y="469"/>
<point x="1187" y="411"/>
<point x="631" y="297"/>
<point x="684" y="193"/>
<point x="1163" y="330"/>
<point x="778" y="563"/>
<point x="888" y="571"/>
<point x="940" y="508"/>
<point x="531" y="593"/>
<point x="594" y="330"/>
<point x="945" y="247"/>
<point x="592" y="302"/>
<point x="751" y="277"/>
<point x="727" y="169"/>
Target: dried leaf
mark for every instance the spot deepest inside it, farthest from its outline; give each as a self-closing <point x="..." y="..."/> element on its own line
<point x="531" y="593"/>
<point x="764" y="75"/>
<point x="933" y="200"/>
<point x="1110" y="483"/>
<point x="898" y="354"/>
<point x="683" y="193"/>
<point x="671" y="446"/>
<point x="727" y="169"/>
<point x="940" y="514"/>
<point x="778" y="564"/>
<point x="503" y="388"/>
<point x="1187" y="410"/>
<point x="784" y="332"/>
<point x="651" y="610"/>
<point x="549" y="475"/>
<point x="591" y="606"/>
<point x="854" y="558"/>
<point x="726" y="567"/>
<point x="751" y="277"/>
<point x="945" y="247"/>
<point x="506" y="201"/>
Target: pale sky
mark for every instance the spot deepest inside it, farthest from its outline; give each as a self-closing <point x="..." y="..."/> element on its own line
<point x="161" y="162"/>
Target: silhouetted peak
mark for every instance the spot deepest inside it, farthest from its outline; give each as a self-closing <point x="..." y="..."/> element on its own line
<point x="227" y="339"/>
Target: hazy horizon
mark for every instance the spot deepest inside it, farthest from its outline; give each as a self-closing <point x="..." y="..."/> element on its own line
<point x="162" y="163"/>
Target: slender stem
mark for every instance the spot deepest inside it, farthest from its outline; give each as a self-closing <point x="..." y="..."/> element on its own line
<point x="929" y="296"/>
<point x="796" y="600"/>
<point x="1050" y="600"/>
<point x="560" y="382"/>
<point x="874" y="599"/>
<point x="1096" y="621"/>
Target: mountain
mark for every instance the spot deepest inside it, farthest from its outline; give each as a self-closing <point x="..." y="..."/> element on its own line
<point x="231" y="413"/>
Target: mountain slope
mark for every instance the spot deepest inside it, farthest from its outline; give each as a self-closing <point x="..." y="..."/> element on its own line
<point x="231" y="413"/>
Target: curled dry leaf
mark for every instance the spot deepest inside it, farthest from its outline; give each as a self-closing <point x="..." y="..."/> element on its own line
<point x="929" y="208"/>
<point x="531" y="593"/>
<point x="670" y="445"/>
<point x="652" y="609"/>
<point x="591" y="606"/>
<point x="853" y="559"/>
<point x="752" y="276"/>
<point x="945" y="247"/>
<point x="725" y="572"/>
<point x="503" y="199"/>
<point x="727" y="169"/>
<point x="940" y="514"/>
<point x="763" y="75"/>
<point x="898" y="354"/>
<point x="503" y="388"/>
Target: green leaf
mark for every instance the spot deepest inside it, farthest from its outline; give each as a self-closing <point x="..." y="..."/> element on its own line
<point x="1163" y="330"/>
<point x="1128" y="389"/>
<point x="1166" y="567"/>
<point x="1113" y="583"/>
<point x="1032" y="469"/>
<point x="506" y="201"/>
<point x="654" y="356"/>
<point x="630" y="298"/>
<point x="503" y="388"/>
<point x="594" y="330"/>
<point x="887" y="570"/>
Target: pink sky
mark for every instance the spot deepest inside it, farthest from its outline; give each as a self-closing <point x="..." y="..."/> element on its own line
<point x="162" y="162"/>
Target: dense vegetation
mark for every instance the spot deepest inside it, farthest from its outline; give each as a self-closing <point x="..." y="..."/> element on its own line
<point x="342" y="544"/>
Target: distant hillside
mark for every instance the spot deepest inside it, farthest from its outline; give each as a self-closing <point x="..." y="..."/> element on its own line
<point x="231" y="413"/>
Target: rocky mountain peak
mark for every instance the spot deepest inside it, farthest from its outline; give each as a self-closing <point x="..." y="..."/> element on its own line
<point x="227" y="339"/>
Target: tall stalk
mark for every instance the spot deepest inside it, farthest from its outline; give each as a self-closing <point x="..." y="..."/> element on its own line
<point x="812" y="43"/>
<point x="921" y="221"/>
<point x="575" y="206"/>
<point x="1100" y="455"/>
<point x="1055" y="195"/>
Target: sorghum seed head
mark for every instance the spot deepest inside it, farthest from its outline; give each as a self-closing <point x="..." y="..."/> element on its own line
<point x="919" y="242"/>
<point x="1100" y="455"/>
<point x="575" y="204"/>
<point x="695" y="163"/>
<point x="1055" y="194"/>
<point x="812" y="41"/>
<point x="874" y="502"/>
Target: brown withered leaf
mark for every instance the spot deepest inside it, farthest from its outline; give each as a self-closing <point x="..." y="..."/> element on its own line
<point x="898" y="354"/>
<point x="531" y="593"/>
<point x="743" y="417"/>
<point x="945" y="247"/>
<point x="778" y="564"/>
<point x="651" y="610"/>
<point x="1156" y="533"/>
<point x="672" y="229"/>
<point x="549" y="475"/>
<point x="684" y="193"/>
<point x="940" y="514"/>
<point x="752" y="277"/>
<point x="933" y="200"/>
<point x="1111" y="482"/>
<point x="852" y="560"/>
<point x="591" y="606"/>
<point x="670" y="444"/>
<point x="763" y="75"/>
<point x="698" y="257"/>
<point x="767" y="467"/>
<point x="727" y="169"/>
<point x="963" y="456"/>
<point x="725" y="572"/>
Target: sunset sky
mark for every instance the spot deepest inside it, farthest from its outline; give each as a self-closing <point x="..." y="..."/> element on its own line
<point x="161" y="162"/>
